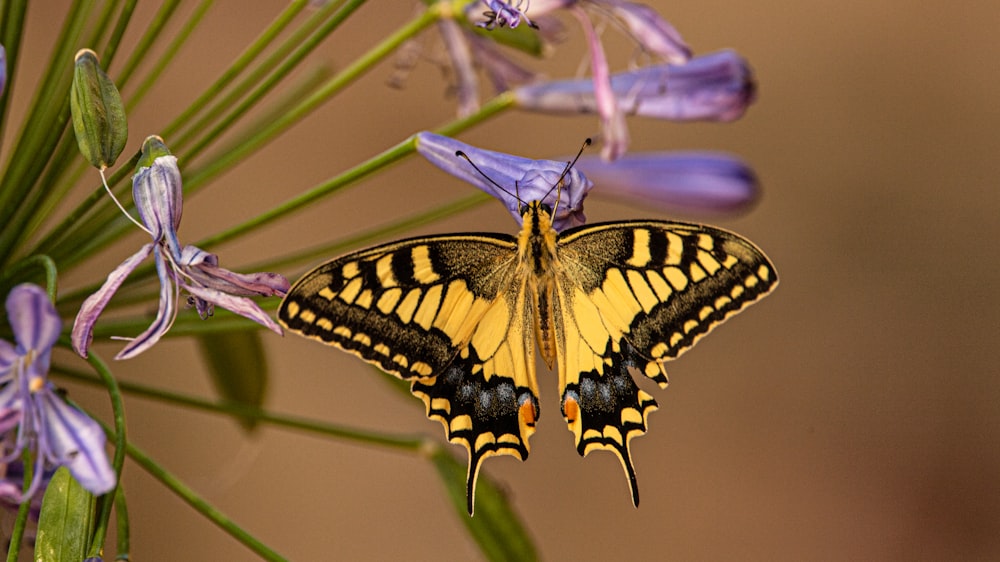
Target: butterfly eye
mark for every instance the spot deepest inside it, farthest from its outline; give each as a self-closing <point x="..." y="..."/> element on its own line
<point x="545" y="207"/>
<point x="522" y="208"/>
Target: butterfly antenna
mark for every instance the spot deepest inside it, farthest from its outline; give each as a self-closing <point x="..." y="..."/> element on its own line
<point x="516" y="196"/>
<point x="559" y="182"/>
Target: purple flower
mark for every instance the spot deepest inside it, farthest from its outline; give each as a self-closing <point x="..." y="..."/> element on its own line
<point x="520" y="179"/>
<point x="501" y="14"/>
<point x="156" y="189"/>
<point x="59" y="434"/>
<point x="701" y="182"/>
<point x="714" y="87"/>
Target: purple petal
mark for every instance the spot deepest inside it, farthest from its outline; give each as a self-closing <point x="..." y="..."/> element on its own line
<point x="650" y="30"/>
<point x="83" y="326"/>
<point x="3" y="69"/>
<point x="690" y="181"/>
<point x="164" y="315"/>
<point x="467" y="86"/>
<point x="76" y="442"/>
<point x="240" y="305"/>
<point x="615" y="132"/>
<point x="33" y="318"/>
<point x="11" y="406"/>
<point x="501" y="69"/>
<point x="7" y="358"/>
<point x="715" y="87"/>
<point x="156" y="190"/>
<point x="203" y="267"/>
<point x="522" y="179"/>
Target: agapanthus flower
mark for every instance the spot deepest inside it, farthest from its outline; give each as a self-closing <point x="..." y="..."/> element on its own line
<point x="653" y="34"/>
<point x="699" y="182"/>
<point x="57" y="433"/>
<point x="522" y="179"/>
<point x="156" y="189"/>
<point x="714" y="87"/>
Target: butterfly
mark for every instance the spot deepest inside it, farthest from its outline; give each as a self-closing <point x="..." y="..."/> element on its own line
<point x="461" y="315"/>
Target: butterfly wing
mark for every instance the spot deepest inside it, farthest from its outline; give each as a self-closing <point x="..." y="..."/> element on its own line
<point x="636" y="294"/>
<point x="444" y="312"/>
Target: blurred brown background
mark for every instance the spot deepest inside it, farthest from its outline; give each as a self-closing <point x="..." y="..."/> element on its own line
<point x="851" y="415"/>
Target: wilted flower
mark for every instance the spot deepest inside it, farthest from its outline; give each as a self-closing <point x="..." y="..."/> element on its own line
<point x="156" y="189"/>
<point x="59" y="434"/>
<point x="521" y="180"/>
<point x="713" y="87"/>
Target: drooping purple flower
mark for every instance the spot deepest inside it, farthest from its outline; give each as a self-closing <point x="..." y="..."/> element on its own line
<point x="714" y="87"/>
<point x="700" y="182"/>
<point x="59" y="434"/>
<point x="156" y="189"/>
<point x="521" y="179"/>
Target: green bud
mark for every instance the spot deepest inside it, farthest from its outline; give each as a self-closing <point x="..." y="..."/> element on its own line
<point x="98" y="112"/>
<point x="152" y="148"/>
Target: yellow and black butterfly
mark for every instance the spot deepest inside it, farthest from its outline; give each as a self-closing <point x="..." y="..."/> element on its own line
<point x="460" y="315"/>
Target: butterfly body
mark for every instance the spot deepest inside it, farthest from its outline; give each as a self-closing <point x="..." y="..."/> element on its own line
<point x="461" y="316"/>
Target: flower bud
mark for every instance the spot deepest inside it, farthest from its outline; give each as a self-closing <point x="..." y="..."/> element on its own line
<point x="98" y="112"/>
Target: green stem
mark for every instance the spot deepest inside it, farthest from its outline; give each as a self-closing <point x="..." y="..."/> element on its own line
<point x="11" y="30"/>
<point x="123" y="528"/>
<point x="378" y="162"/>
<point x="333" y="86"/>
<point x="364" y="437"/>
<point x="44" y="126"/>
<point x="118" y="411"/>
<point x="170" y="52"/>
<point x="17" y="534"/>
<point x="186" y="121"/>
<point x="44" y="262"/>
<point x="200" y="505"/>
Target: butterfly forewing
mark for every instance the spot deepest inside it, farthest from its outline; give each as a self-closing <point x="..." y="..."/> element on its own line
<point x="408" y="307"/>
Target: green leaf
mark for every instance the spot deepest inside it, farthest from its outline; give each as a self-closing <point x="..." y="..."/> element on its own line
<point x="98" y="112"/>
<point x="496" y="527"/>
<point x="66" y="522"/>
<point x="238" y="366"/>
